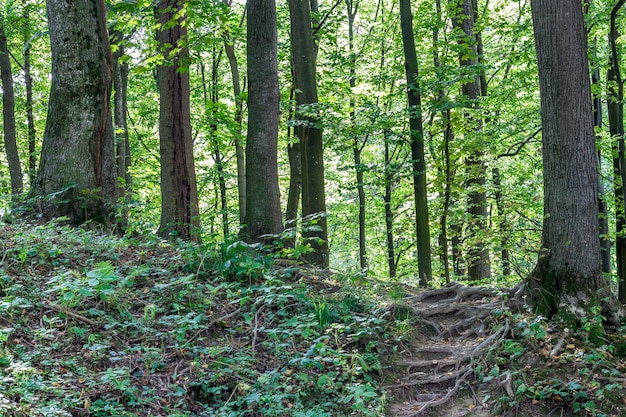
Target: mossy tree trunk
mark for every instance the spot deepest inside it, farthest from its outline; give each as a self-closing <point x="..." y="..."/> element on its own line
<point x="179" y="194"/>
<point x="567" y="279"/>
<point x="77" y="174"/>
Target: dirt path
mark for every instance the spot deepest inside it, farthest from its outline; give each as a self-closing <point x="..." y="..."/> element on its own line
<point x="456" y="330"/>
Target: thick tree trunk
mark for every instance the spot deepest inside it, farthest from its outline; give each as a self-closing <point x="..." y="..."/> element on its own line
<point x="78" y="153"/>
<point x="8" y="115"/>
<point x="478" y="254"/>
<point x="180" y="216"/>
<point x="418" y="156"/>
<point x="263" y="215"/>
<point x="567" y="279"/>
<point x="313" y="189"/>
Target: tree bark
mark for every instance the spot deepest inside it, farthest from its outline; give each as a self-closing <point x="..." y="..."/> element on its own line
<point x="180" y="217"/>
<point x="263" y="215"/>
<point x="77" y="169"/>
<point x="567" y="279"/>
<point x="310" y="135"/>
<point x="418" y="155"/>
<point x="8" y="115"/>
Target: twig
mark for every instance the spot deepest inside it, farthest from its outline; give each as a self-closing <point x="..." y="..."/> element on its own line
<point x="211" y="324"/>
<point x="256" y="327"/>
<point x="72" y="314"/>
<point x="557" y="349"/>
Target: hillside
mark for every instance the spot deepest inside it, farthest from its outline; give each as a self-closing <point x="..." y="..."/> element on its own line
<point x="94" y="325"/>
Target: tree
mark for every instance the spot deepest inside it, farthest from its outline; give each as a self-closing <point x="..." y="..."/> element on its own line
<point x="567" y="279"/>
<point x="418" y="154"/>
<point x="77" y="171"/>
<point x="8" y="114"/>
<point x="310" y="135"/>
<point x="263" y="215"/>
<point x="478" y="254"/>
<point x="179" y="194"/>
<point x="615" y="107"/>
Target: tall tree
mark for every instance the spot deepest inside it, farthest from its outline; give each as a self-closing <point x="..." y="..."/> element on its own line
<point x="8" y="114"/>
<point x="309" y="133"/>
<point x="229" y="48"/>
<point x="77" y="163"/>
<point x="418" y="154"/>
<point x="263" y="215"/>
<point x="120" y="111"/>
<point x="567" y="278"/>
<point x="352" y="7"/>
<point x="28" y="81"/>
<point x="478" y="254"/>
<point x="179" y="194"/>
<point x="615" y="107"/>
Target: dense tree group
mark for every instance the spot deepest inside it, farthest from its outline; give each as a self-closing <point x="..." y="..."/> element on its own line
<point x="397" y="139"/>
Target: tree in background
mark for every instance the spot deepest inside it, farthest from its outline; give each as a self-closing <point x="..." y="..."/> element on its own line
<point x="77" y="174"/>
<point x="309" y="133"/>
<point x="8" y="114"/>
<point x="478" y="253"/>
<point x="263" y="215"/>
<point x="418" y="154"/>
<point x="567" y="279"/>
<point x="180" y="215"/>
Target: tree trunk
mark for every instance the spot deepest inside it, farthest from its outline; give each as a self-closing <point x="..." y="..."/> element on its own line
<point x="503" y="224"/>
<point x="120" y="110"/>
<point x="77" y="163"/>
<point x="229" y="48"/>
<point x="28" y="83"/>
<point x="313" y="190"/>
<point x="422" y="225"/>
<point x="8" y="115"/>
<point x="263" y="215"/>
<point x="389" y="180"/>
<point x="352" y="7"/>
<point x="605" y="242"/>
<point x="180" y="216"/>
<point x="295" y="178"/>
<point x="567" y="279"/>
<point x="615" y="106"/>
<point x="478" y="254"/>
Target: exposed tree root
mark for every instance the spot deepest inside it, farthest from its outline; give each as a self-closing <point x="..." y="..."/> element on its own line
<point x="464" y="332"/>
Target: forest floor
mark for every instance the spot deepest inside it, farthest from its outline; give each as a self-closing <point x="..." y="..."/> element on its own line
<point x="96" y="325"/>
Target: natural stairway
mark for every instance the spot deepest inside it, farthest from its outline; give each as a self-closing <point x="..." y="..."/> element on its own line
<point x="456" y="328"/>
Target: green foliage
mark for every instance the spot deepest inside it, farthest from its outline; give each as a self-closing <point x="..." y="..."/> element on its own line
<point x="112" y="326"/>
<point x="550" y="367"/>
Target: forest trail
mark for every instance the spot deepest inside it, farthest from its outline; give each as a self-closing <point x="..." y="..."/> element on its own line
<point x="456" y="328"/>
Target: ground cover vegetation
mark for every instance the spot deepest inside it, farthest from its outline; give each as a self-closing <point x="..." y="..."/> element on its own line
<point x="179" y="177"/>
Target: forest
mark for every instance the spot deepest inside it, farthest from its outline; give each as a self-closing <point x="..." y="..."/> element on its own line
<point x="310" y="207"/>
